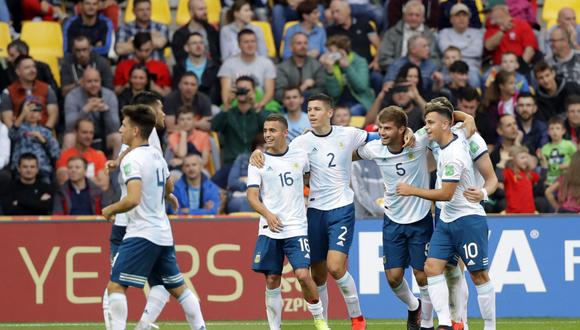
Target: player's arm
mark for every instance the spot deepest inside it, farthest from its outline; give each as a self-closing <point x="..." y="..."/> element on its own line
<point x="468" y="122"/>
<point x="114" y="163"/>
<point x="169" y="196"/>
<point x="127" y="203"/>
<point x="257" y="158"/>
<point x="253" y="195"/>
<point x="485" y="167"/>
<point x="431" y="163"/>
<point x="444" y="194"/>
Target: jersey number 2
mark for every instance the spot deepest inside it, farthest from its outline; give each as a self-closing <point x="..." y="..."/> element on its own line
<point x="161" y="182"/>
<point x="331" y="155"/>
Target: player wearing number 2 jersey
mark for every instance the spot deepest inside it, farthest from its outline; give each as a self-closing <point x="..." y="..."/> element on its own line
<point x="283" y="226"/>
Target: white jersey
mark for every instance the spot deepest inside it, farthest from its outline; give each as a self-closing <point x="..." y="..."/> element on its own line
<point x="454" y="164"/>
<point x="121" y="218"/>
<point x="149" y="219"/>
<point x="281" y="186"/>
<point x="330" y="159"/>
<point x="477" y="148"/>
<point x="410" y="166"/>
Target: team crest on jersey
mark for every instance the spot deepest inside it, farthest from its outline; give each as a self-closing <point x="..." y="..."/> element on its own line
<point x="473" y="147"/>
<point x="411" y="155"/>
<point x="269" y="169"/>
<point x="449" y="170"/>
<point x="127" y="169"/>
<point x="295" y="165"/>
<point x="257" y="258"/>
<point x="340" y="145"/>
<point x="421" y="132"/>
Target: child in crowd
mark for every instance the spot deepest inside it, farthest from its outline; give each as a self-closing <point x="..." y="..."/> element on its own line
<point x="559" y="151"/>
<point x="509" y="63"/>
<point x="564" y="194"/>
<point x="187" y="140"/>
<point x="341" y="116"/>
<point x="500" y="98"/>
<point x="519" y="181"/>
<point x="452" y="54"/>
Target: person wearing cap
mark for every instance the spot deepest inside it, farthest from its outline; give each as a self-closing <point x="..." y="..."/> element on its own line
<point x="445" y="13"/>
<point x="460" y="35"/>
<point x="400" y="95"/>
<point x="459" y="79"/>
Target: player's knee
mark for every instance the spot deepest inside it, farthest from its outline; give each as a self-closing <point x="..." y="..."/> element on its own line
<point x="336" y="270"/>
<point x="432" y="268"/>
<point x="273" y="281"/>
<point x="116" y="287"/>
<point x="420" y="276"/>
<point x="479" y="277"/>
<point x="394" y="277"/>
<point x="303" y="276"/>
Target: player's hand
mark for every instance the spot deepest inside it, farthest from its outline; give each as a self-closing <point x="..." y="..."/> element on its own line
<point x="108" y="213"/>
<point x="274" y="223"/>
<point x="473" y="195"/>
<point x="404" y="189"/>
<point x="257" y="159"/>
<point x="173" y="202"/>
<point x="408" y="138"/>
<point x="469" y="126"/>
<point x="111" y="165"/>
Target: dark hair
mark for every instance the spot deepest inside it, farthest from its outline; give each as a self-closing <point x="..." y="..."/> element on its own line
<point x="341" y="41"/>
<point x="572" y="99"/>
<point x="148" y="98"/>
<point x="189" y="74"/>
<point x="81" y="38"/>
<point x="291" y="88"/>
<point x="141" y="116"/>
<point x="140" y="39"/>
<point x="393" y="114"/>
<point x="542" y="66"/>
<point x="323" y="98"/>
<point x="20" y="45"/>
<point x="469" y="94"/>
<point x="441" y="105"/>
<point x="404" y="71"/>
<point x="78" y="123"/>
<point x="73" y="158"/>
<point x="21" y="58"/>
<point x="277" y="117"/>
<point x="244" y="32"/>
<point x="452" y="48"/>
<point x="184" y="109"/>
<point x="499" y="123"/>
<point x="526" y="95"/>
<point x="136" y="2"/>
<point x="555" y="121"/>
<point x="236" y="6"/>
<point x="196" y="34"/>
<point x="246" y="78"/>
<point x="27" y="156"/>
<point x="305" y="8"/>
<point x="459" y="66"/>
<point x="142" y="67"/>
<point x="493" y="92"/>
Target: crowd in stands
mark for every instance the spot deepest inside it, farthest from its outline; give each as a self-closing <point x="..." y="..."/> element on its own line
<point x="516" y="75"/>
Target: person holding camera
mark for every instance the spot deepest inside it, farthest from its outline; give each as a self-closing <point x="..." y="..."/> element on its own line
<point x="238" y="126"/>
<point x="347" y="76"/>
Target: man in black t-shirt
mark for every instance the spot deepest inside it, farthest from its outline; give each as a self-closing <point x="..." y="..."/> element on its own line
<point x="187" y="94"/>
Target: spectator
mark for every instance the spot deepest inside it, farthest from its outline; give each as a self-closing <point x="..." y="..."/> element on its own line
<point x="564" y="59"/>
<point x="366" y="181"/>
<point x="445" y="14"/>
<point x="573" y="119"/>
<point x="75" y="63"/>
<point x="95" y="159"/>
<point x="519" y="180"/>
<point x="297" y="120"/>
<point x="187" y="93"/>
<point x="468" y="40"/>
<point x="341" y="116"/>
<point x="158" y="33"/>
<point x="197" y="61"/>
<point x="506" y="34"/>
<point x="500" y="97"/>
<point x="99" y="104"/>
<point x="158" y="70"/>
<point x="401" y="95"/>
<point x="198" y="23"/>
<point x="395" y="41"/>
<point x="468" y="101"/>
<point x="28" y="91"/>
<point x="419" y="55"/>
<point x="78" y="195"/>
<point x="452" y="54"/>
<point x="98" y="28"/>
<point x="27" y="195"/>
<point x="535" y="130"/>
<point x="196" y="193"/>
<point x="394" y="12"/>
<point x="248" y="63"/>
<point x="187" y="140"/>
<point x="368" y="10"/>
<point x="412" y="74"/>
<point x="509" y="136"/>
<point x="282" y="12"/>
<point x="559" y="151"/>
<point x="310" y="26"/>
<point x="237" y="126"/>
<point x="459" y="77"/>
<point x="567" y="21"/>
<point x="238" y="178"/>
<point x="347" y="79"/>
<point x="509" y="63"/>
<point x="564" y="194"/>
<point x="46" y="10"/>
<point x="8" y="74"/>
<point x="239" y="18"/>
<point x="110" y="9"/>
<point x="552" y="91"/>
<point x="139" y="81"/>
<point x="299" y="70"/>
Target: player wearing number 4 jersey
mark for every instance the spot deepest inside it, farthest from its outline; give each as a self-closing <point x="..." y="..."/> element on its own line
<point x="330" y="206"/>
<point x="463" y="226"/>
<point x="283" y="227"/>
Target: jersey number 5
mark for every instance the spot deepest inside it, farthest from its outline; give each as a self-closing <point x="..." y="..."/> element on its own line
<point x="286" y="179"/>
<point x="400" y="170"/>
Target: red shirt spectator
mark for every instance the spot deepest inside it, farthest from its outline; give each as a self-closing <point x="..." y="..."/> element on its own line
<point x="158" y="70"/>
<point x="519" y="190"/>
<point x="95" y="160"/>
<point x="514" y="40"/>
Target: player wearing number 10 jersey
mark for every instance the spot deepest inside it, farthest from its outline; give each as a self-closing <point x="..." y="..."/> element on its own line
<point x="283" y="226"/>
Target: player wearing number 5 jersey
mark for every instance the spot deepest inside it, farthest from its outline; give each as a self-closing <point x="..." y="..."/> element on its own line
<point x="463" y="227"/>
<point x="283" y="226"/>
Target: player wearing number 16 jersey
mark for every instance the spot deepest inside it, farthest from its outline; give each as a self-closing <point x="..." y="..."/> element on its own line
<point x="283" y="226"/>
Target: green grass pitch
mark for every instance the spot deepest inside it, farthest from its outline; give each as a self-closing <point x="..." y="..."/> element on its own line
<point x="475" y="324"/>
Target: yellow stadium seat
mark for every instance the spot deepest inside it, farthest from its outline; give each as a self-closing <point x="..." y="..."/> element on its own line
<point x="43" y="38"/>
<point x="214" y="9"/>
<point x="357" y="121"/>
<point x="160" y="11"/>
<point x="373" y="49"/>
<point x="268" y="36"/>
<point x="286" y="26"/>
<point x="5" y="39"/>
<point x="245" y="214"/>
<point x="52" y="62"/>
<point x="479" y="6"/>
<point x="551" y="8"/>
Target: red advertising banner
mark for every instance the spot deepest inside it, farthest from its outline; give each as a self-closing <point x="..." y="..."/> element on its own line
<point x="57" y="272"/>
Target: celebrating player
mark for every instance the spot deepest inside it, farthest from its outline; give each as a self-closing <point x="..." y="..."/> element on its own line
<point x="283" y="226"/>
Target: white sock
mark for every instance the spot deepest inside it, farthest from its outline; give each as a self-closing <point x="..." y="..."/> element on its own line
<point x="316" y="310"/>
<point x="426" y="308"/>
<point x="440" y="298"/>
<point x="118" y="310"/>
<point x="323" y="294"/>
<point x="464" y="300"/>
<point x="192" y="309"/>
<point x="106" y="316"/>
<point x="348" y="289"/>
<point x="453" y="278"/>
<point x="156" y="300"/>
<point x="274" y="306"/>
<point x="486" y="300"/>
<point x="406" y="296"/>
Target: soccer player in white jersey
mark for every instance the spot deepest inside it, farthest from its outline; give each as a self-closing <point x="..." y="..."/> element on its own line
<point x="463" y="227"/>
<point x="330" y="204"/>
<point x="283" y="226"/>
<point x="147" y="251"/>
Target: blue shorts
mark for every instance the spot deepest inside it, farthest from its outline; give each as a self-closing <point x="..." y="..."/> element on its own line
<point x="330" y="230"/>
<point x="467" y="237"/>
<point x="454" y="260"/>
<point x="115" y="240"/>
<point x="269" y="254"/>
<point x="139" y="260"/>
<point x="406" y="244"/>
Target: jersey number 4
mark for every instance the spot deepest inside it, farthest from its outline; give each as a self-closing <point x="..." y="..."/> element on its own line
<point x="161" y="182"/>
